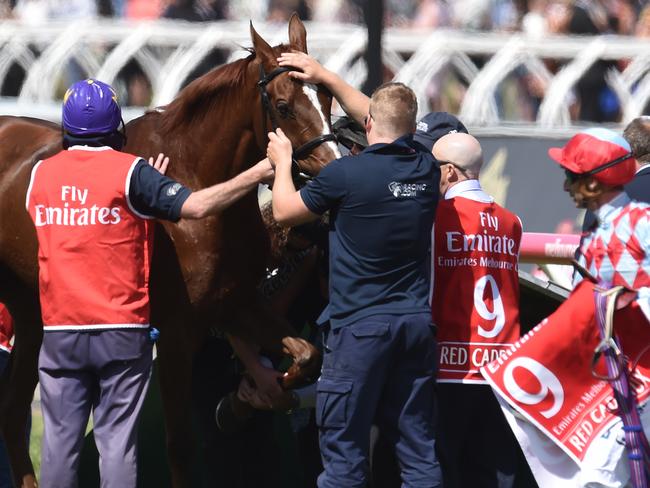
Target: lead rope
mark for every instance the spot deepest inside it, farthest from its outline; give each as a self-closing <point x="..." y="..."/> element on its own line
<point x="636" y="442"/>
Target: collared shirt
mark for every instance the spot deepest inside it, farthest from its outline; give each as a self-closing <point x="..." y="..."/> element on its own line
<point x="617" y="252"/>
<point x="382" y="204"/>
<point x="472" y="190"/>
<point x="637" y="189"/>
<point x="468" y="189"/>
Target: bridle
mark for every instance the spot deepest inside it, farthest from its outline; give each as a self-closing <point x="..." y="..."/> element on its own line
<point x="268" y="111"/>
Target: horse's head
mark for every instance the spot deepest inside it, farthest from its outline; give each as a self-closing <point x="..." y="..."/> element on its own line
<point x="302" y="110"/>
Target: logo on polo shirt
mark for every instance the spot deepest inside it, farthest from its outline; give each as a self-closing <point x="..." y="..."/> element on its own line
<point x="406" y="190"/>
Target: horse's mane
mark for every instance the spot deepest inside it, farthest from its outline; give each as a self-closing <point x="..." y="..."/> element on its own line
<point x="198" y="98"/>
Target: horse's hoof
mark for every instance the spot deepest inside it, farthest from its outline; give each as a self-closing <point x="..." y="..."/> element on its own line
<point x="231" y="413"/>
<point x="306" y="363"/>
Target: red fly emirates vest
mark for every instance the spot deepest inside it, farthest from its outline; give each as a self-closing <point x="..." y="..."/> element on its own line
<point x="6" y="329"/>
<point x="94" y="250"/>
<point x="476" y="287"/>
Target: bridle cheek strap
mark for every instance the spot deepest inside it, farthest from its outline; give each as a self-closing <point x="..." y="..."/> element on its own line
<point x="268" y="111"/>
<point x="267" y="108"/>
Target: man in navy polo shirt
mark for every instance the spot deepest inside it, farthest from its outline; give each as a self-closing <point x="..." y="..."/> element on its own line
<point x="379" y="344"/>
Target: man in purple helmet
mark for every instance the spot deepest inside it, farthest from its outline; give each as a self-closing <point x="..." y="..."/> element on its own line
<point x="90" y="204"/>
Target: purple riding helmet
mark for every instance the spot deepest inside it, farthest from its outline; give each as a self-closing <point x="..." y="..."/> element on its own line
<point x="90" y="107"/>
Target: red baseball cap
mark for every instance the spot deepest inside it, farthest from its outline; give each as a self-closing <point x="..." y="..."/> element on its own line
<point x="598" y="152"/>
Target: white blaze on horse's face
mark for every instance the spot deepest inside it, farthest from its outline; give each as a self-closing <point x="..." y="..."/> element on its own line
<point x="311" y="92"/>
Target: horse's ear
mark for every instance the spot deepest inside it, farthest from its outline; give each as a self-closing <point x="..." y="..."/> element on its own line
<point x="263" y="51"/>
<point x="297" y="33"/>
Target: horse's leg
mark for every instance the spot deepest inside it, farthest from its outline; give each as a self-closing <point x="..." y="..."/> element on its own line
<point x="23" y="376"/>
<point x="172" y="313"/>
<point x="175" y="353"/>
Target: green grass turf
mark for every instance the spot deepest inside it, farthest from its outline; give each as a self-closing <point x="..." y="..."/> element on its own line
<point x="35" y="437"/>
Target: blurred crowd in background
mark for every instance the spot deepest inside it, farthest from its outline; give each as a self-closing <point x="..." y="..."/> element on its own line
<point x="518" y="96"/>
<point x="533" y="17"/>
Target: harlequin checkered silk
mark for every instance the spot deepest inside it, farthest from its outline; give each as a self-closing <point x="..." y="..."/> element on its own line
<point x="617" y="252"/>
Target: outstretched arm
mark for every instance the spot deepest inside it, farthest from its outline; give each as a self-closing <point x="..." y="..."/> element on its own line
<point x="153" y="194"/>
<point x="220" y="196"/>
<point x="352" y="101"/>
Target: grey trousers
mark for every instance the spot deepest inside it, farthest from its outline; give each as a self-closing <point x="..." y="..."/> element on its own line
<point x="104" y="371"/>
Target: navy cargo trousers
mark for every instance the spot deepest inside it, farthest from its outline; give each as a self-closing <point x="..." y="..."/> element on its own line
<point x="378" y="370"/>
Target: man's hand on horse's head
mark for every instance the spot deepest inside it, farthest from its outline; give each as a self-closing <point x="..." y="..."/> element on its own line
<point x="279" y="150"/>
<point x="311" y="70"/>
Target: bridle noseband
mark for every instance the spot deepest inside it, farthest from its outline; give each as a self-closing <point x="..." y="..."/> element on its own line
<point x="267" y="110"/>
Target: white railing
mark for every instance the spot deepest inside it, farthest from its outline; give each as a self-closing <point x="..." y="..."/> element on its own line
<point x="169" y="51"/>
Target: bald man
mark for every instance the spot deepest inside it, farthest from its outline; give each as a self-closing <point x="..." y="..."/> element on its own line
<point x="475" y="304"/>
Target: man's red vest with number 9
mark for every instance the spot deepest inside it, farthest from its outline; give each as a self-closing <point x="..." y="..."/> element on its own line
<point x="94" y="249"/>
<point x="475" y="301"/>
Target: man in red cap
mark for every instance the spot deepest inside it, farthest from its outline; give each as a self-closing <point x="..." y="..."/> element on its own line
<point x="615" y="252"/>
<point x="637" y="134"/>
<point x="597" y="163"/>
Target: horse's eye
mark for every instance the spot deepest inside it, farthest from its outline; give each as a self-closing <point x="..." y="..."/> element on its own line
<point x="283" y="109"/>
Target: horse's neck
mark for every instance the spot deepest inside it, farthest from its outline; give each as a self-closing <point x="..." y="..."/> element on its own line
<point x="204" y="153"/>
<point x="226" y="143"/>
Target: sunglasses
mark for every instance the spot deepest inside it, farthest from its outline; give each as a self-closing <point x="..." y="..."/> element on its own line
<point x="572" y="177"/>
<point x="455" y="165"/>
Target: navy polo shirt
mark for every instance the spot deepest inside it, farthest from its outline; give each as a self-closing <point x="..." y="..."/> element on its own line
<point x="382" y="204"/>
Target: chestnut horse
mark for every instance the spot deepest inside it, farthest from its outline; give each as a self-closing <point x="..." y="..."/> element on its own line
<point x="204" y="272"/>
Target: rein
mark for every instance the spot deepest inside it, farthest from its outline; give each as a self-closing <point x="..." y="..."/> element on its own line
<point x="268" y="111"/>
<point x="618" y="377"/>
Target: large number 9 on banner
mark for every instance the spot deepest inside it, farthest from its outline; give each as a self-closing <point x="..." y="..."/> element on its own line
<point x="498" y="314"/>
<point x="549" y="383"/>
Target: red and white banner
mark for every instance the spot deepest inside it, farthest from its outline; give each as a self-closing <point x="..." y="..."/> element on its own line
<point x="547" y="377"/>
